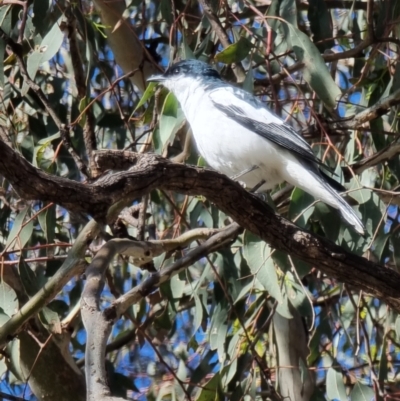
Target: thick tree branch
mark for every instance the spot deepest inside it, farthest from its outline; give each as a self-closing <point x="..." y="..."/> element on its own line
<point x="152" y="171"/>
<point x="292" y="344"/>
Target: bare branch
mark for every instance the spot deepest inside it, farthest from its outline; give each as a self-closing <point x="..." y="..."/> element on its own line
<point x="154" y="281"/>
<point x="383" y="155"/>
<point x="98" y="325"/>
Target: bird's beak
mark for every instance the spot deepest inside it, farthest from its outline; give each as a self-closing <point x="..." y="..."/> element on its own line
<point x="156" y="78"/>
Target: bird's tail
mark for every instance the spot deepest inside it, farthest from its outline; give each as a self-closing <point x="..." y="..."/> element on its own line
<point x="336" y="201"/>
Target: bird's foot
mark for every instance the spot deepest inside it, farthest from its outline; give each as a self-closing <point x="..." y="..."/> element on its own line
<point x="258" y="186"/>
<point x="242" y="173"/>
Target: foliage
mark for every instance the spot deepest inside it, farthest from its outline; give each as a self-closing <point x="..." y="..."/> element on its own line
<point x="209" y="332"/>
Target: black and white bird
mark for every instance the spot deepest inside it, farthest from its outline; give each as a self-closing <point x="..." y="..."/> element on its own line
<point x="239" y="137"/>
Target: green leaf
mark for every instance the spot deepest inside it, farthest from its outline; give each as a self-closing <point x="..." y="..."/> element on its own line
<point x="46" y="141"/>
<point x="383" y="363"/>
<point x="171" y="119"/>
<point x="20" y="234"/>
<point x="204" y="368"/>
<point x="320" y="24"/>
<point x="166" y="11"/>
<point x="2" y="50"/>
<point x="8" y="299"/>
<point x="218" y="326"/>
<point x="5" y="19"/>
<point x="334" y="385"/>
<point x="14" y="350"/>
<point x="40" y="11"/>
<point x="186" y="51"/>
<point x="148" y="93"/>
<point x="50" y="320"/>
<point x="248" y="83"/>
<point x="315" y="71"/>
<point x="288" y="11"/>
<point x="177" y="286"/>
<point x="304" y="372"/>
<point x="236" y="52"/>
<point x="361" y="392"/>
<point x="228" y="371"/>
<point x="300" y="208"/>
<point x="43" y="157"/>
<point x="198" y="313"/>
<point x="32" y="281"/>
<point x="397" y="327"/>
<point x="47" y="221"/>
<point x="258" y="256"/>
<point x="49" y="46"/>
<point x="209" y="391"/>
<point x="297" y="296"/>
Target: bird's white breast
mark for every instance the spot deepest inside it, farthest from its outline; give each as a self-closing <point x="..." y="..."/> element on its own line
<point x="227" y="146"/>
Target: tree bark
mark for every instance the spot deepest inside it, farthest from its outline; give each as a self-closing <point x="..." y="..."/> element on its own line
<point x="152" y="172"/>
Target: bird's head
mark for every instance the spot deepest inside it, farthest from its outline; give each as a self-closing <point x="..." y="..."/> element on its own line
<point x="183" y="73"/>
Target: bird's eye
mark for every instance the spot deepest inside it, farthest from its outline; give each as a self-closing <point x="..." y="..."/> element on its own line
<point x="175" y="71"/>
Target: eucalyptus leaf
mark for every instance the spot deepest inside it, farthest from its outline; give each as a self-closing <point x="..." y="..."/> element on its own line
<point x="258" y="256"/>
<point x="171" y="119"/>
<point x="8" y="299"/>
<point x="321" y="24"/>
<point x="148" y="93"/>
<point x="236" y="52"/>
<point x="315" y="71"/>
<point x="20" y="232"/>
<point x="361" y="392"/>
<point x="31" y="281"/>
<point x="335" y="389"/>
<point x="48" y="48"/>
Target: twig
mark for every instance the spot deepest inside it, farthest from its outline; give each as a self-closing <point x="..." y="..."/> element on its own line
<point x="23" y="21"/>
<point x="370" y="20"/>
<point x="142" y="218"/>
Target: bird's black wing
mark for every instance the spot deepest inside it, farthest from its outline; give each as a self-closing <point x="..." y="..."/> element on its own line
<point x="280" y="134"/>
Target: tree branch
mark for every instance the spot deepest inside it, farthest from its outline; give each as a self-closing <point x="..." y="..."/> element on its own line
<point x="152" y="171"/>
<point x="155" y="280"/>
<point x="383" y="155"/>
<point x="73" y="265"/>
<point x="98" y="324"/>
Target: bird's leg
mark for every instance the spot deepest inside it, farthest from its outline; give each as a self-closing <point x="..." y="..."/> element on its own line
<point x="258" y="186"/>
<point x="242" y="173"/>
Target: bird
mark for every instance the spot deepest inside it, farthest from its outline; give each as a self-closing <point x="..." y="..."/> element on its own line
<point x="239" y="136"/>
